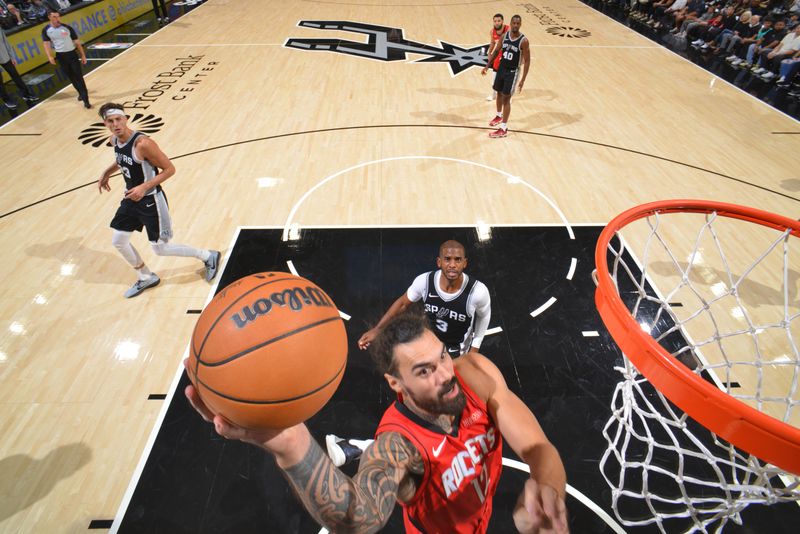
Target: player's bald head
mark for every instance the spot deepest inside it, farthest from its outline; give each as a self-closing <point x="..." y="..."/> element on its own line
<point x="452" y="244"/>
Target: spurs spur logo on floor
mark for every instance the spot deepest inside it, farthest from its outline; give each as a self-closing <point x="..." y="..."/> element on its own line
<point x="387" y="44"/>
<point x="97" y="134"/>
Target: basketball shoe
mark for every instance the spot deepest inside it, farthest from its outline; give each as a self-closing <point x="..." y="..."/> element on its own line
<point x="343" y="451"/>
<point x="151" y="281"/>
<point x="495" y="121"/>
<point x="500" y="132"/>
<point x="212" y="265"/>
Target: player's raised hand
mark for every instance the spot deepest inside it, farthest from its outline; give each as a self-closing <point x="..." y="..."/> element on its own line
<point x="540" y="510"/>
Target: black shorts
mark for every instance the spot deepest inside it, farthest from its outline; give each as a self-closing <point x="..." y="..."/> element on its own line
<point x="454" y="350"/>
<point x="505" y="81"/>
<point x="152" y="213"/>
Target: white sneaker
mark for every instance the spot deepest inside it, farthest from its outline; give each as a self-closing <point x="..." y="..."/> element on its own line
<point x="151" y="281"/>
<point x="212" y="265"/>
<point x="343" y="451"/>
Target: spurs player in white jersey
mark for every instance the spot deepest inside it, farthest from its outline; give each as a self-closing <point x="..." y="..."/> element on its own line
<point x="458" y="306"/>
<point x="144" y="167"/>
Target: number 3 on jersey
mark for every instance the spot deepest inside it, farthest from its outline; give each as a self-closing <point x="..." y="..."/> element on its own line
<point x="441" y="325"/>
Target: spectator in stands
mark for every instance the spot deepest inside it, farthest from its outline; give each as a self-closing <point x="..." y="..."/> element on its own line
<point x="727" y="23"/>
<point x="11" y="10"/>
<point x="660" y="7"/>
<point x="36" y="11"/>
<point x="730" y="37"/>
<point x="667" y="15"/>
<point x="752" y="45"/>
<point x="786" y="49"/>
<point x="740" y="38"/>
<point x="690" y="20"/>
<point x="58" y="5"/>
<point x="699" y="29"/>
<point x="770" y="42"/>
<point x="692" y="11"/>
<point x="788" y="70"/>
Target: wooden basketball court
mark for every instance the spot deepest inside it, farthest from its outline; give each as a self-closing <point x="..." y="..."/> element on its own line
<point x="323" y="134"/>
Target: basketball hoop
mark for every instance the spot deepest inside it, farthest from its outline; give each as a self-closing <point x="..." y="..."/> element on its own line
<point x="703" y="301"/>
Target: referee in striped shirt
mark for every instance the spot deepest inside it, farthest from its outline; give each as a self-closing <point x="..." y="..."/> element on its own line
<point x="63" y="39"/>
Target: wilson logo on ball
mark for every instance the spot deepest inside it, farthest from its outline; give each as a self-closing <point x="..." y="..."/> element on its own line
<point x="294" y="299"/>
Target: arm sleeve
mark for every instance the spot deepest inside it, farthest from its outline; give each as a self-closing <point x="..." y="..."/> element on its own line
<point x="418" y="287"/>
<point x="45" y="37"/>
<point x="72" y="34"/>
<point x="483" y="312"/>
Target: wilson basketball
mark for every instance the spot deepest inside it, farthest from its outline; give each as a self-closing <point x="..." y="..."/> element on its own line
<point x="268" y="351"/>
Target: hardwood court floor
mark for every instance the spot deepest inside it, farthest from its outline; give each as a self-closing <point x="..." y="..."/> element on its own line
<point x="605" y="122"/>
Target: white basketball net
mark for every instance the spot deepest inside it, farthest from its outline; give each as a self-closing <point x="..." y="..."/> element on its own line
<point x="723" y="298"/>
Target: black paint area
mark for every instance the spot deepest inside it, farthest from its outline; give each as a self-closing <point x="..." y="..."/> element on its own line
<point x="195" y="481"/>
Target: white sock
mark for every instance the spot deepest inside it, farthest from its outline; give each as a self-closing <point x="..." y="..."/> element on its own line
<point x="499" y="113"/>
<point x="503" y="126"/>
<point x="143" y="272"/>
<point x="361" y="443"/>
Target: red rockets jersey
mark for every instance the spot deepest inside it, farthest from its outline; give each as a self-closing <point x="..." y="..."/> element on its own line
<point x="496" y="37"/>
<point x="461" y="469"/>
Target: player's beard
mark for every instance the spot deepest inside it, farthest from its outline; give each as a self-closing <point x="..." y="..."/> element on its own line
<point x="442" y="406"/>
<point x="498" y="27"/>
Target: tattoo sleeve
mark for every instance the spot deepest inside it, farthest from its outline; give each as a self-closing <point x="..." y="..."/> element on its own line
<point x="363" y="503"/>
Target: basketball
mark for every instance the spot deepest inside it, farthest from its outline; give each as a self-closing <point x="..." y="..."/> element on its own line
<point x="268" y="351"/>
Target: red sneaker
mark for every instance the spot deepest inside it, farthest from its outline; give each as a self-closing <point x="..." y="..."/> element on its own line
<point x="500" y="132"/>
<point x="495" y="121"/>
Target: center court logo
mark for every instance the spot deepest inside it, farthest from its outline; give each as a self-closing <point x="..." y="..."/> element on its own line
<point x="387" y="44"/>
<point x="97" y="134"/>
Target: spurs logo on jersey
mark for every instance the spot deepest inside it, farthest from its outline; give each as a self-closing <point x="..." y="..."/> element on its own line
<point x="124" y="159"/>
<point x="465" y="463"/>
<point x="134" y="171"/>
<point x="450" y="320"/>
<point x="444" y="313"/>
<point x="511" y="51"/>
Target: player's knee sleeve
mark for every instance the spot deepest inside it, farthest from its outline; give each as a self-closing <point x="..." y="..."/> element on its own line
<point x="120" y="240"/>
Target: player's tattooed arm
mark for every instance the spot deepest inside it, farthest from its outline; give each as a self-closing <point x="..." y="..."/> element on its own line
<point x="364" y="503"/>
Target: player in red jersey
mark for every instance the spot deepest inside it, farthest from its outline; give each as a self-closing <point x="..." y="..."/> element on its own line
<point x="498" y="29"/>
<point x="437" y="450"/>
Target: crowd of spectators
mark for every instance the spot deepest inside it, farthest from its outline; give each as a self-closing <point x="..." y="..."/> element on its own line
<point x="17" y="13"/>
<point x="759" y="40"/>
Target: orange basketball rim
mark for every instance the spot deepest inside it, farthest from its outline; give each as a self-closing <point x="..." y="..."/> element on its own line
<point x="745" y="427"/>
